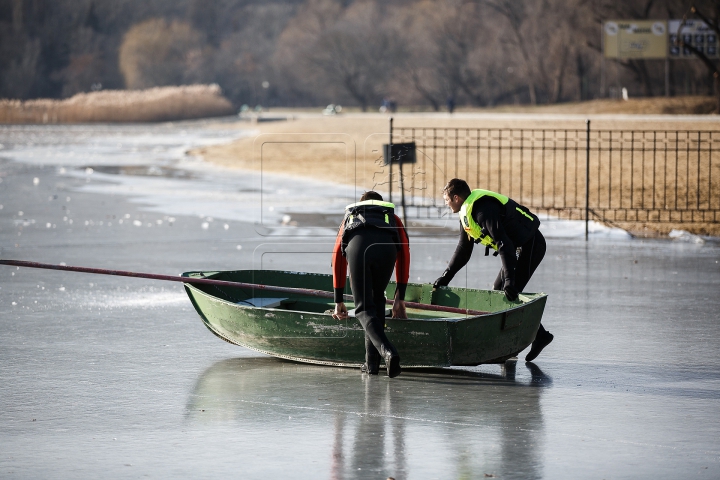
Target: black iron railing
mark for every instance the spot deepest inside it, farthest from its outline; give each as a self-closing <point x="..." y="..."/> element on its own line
<point x="616" y="176"/>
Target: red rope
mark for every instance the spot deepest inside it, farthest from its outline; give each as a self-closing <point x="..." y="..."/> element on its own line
<point x="209" y="281"/>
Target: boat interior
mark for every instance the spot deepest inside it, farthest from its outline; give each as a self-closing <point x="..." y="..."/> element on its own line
<point x="261" y="298"/>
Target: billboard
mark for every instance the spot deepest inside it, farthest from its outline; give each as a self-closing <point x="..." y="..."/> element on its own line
<point x="695" y="33"/>
<point x="635" y="39"/>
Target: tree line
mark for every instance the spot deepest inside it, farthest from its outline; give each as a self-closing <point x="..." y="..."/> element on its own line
<point x="422" y="53"/>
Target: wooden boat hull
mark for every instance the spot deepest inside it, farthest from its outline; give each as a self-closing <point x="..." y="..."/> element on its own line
<point x="298" y="328"/>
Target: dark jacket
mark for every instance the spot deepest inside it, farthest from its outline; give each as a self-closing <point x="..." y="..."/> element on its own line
<point x="508" y="227"/>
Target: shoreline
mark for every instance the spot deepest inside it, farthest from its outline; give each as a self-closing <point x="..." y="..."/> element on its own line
<point x="345" y="149"/>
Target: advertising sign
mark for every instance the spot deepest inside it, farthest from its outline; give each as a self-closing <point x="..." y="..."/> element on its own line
<point x="635" y="39"/>
<point x="695" y="33"/>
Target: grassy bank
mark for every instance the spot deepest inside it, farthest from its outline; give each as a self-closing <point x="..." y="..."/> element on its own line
<point x="687" y="105"/>
<point x="347" y="148"/>
<point x="152" y="105"/>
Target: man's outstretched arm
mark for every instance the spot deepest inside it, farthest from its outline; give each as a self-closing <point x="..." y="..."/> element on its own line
<point x="460" y="258"/>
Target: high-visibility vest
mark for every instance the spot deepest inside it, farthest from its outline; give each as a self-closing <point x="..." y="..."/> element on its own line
<point x="515" y="214"/>
<point x="474" y="231"/>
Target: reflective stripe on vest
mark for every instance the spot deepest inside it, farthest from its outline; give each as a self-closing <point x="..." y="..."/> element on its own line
<point x="376" y="203"/>
<point x="350" y="209"/>
<point x="371" y="213"/>
<point x="471" y="227"/>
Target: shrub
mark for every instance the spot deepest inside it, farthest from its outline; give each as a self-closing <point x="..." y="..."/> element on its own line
<point x="156" y="53"/>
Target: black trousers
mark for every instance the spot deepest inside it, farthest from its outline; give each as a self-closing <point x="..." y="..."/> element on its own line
<point x="530" y="257"/>
<point x="371" y="255"/>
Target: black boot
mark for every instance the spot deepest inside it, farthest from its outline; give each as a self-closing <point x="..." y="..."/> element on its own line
<point x="376" y="333"/>
<point x="372" y="358"/>
<point x="542" y="340"/>
<point x="392" y="360"/>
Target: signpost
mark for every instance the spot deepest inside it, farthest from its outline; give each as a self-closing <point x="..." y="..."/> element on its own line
<point x="656" y="39"/>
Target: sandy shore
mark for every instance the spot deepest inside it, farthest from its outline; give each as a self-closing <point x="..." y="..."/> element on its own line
<point x="347" y="148"/>
<point x="313" y="145"/>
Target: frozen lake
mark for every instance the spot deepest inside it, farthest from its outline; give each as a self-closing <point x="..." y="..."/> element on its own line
<point x="116" y="377"/>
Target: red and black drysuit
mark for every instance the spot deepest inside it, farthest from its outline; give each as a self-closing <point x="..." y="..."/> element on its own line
<point x="371" y="247"/>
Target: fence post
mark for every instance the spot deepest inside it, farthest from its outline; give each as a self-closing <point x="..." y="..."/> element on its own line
<point x="402" y="186"/>
<point x="390" y="161"/>
<point x="587" y="177"/>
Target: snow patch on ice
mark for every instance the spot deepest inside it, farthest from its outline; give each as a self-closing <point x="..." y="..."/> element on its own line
<point x="556" y="228"/>
<point x="683" y="236"/>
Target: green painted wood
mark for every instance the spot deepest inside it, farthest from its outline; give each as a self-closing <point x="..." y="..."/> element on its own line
<point x="299" y="329"/>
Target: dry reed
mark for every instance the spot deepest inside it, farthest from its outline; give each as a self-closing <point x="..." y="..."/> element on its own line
<point x="151" y="105"/>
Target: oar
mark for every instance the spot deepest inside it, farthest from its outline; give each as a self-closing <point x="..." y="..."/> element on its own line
<point x="225" y="283"/>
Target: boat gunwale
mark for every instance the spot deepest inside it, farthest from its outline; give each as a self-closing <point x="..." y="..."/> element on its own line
<point x="530" y="301"/>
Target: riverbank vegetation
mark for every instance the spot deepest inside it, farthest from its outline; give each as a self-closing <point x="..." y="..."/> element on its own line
<point x="151" y="105"/>
<point x="362" y="53"/>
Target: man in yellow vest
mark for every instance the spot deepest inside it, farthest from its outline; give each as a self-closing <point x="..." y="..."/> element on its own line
<point x="500" y="224"/>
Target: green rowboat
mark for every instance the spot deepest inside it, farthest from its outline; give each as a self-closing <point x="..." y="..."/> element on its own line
<point x="299" y="327"/>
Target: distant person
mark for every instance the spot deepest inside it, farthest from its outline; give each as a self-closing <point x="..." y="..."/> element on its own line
<point x="450" y="103"/>
<point x="501" y="224"/>
<point x="371" y="241"/>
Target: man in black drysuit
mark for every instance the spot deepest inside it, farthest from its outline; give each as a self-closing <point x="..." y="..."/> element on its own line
<point x="501" y="224"/>
<point x="371" y="241"/>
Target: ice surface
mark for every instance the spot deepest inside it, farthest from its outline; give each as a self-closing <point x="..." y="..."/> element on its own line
<point x="114" y="377"/>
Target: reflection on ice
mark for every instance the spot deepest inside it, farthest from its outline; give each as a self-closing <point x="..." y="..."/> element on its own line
<point x="76" y="145"/>
<point x="454" y="423"/>
<point x="141" y="300"/>
<point x="143" y="171"/>
<point x="145" y="300"/>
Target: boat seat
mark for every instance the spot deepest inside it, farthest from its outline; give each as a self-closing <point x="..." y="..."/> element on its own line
<point x="262" y="302"/>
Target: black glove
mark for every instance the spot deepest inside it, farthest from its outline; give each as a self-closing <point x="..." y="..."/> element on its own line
<point x="443" y="280"/>
<point x="511" y="292"/>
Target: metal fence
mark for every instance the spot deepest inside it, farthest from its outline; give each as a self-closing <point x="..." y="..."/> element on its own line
<point x="614" y="176"/>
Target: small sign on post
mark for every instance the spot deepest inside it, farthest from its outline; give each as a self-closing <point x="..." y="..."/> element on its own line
<point x="401" y="152"/>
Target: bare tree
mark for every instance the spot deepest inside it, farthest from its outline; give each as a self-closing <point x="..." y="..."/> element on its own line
<point x="307" y="52"/>
<point x="360" y="53"/>
<point x="450" y="52"/>
<point x="17" y="79"/>
<point x="86" y="65"/>
<point x="202" y="15"/>
<point x="292" y="61"/>
<point x="708" y="11"/>
<point x="515" y="14"/>
<point x="419" y="68"/>
<point x="457" y="34"/>
<point x="244" y="64"/>
<point x="352" y="53"/>
<point x="540" y="32"/>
